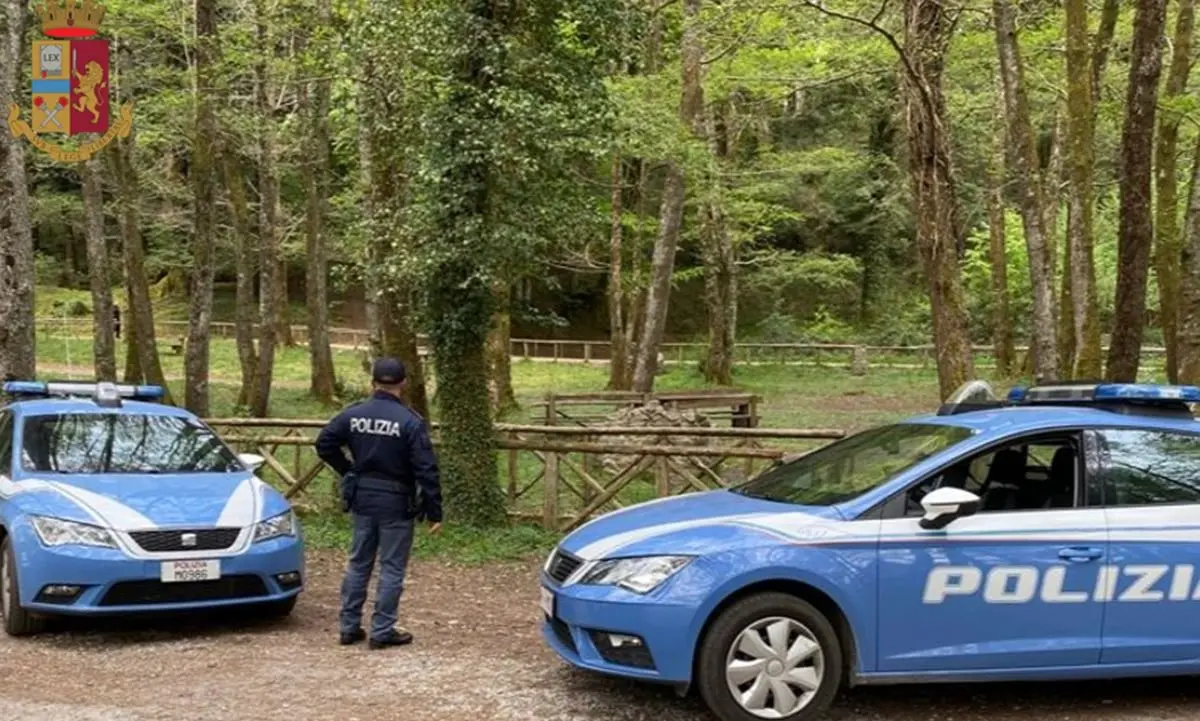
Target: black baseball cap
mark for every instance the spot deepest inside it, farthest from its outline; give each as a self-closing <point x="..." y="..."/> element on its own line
<point x="388" y="371"/>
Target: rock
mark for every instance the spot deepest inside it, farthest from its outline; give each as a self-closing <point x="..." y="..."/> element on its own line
<point x="653" y="415"/>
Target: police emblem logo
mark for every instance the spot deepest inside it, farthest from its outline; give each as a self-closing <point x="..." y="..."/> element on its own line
<point x="70" y="84"/>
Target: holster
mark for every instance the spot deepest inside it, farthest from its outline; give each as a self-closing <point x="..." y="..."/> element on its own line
<point x="348" y="488"/>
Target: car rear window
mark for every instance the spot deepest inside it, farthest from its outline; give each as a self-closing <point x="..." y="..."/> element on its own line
<point x="122" y="443"/>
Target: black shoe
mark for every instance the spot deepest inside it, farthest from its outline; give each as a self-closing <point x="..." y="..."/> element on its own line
<point x="349" y="639"/>
<point x="395" y="638"/>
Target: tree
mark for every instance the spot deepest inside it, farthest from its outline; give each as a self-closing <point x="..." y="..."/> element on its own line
<point x="1136" y="230"/>
<point x="316" y="192"/>
<point x="720" y="259"/>
<point x="671" y="210"/>
<point x="1023" y="160"/>
<point x="202" y="172"/>
<point x="1080" y="168"/>
<point x="1189" y="319"/>
<point x="244" y="250"/>
<point x="268" y="213"/>
<point x="618" y="364"/>
<point x="1002" y="335"/>
<point x="17" y="356"/>
<point x="104" y="343"/>
<point x="1167" y="241"/>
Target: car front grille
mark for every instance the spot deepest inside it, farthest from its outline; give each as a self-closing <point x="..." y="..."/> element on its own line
<point x="562" y="565"/>
<point x="151" y="592"/>
<point x="563" y="633"/>
<point x="204" y="539"/>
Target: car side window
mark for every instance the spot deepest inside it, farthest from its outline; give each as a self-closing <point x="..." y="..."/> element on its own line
<point x="1148" y="468"/>
<point x="6" y="443"/>
<point x="1026" y="475"/>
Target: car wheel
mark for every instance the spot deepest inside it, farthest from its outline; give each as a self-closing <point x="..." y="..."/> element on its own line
<point x="17" y="621"/>
<point x="770" y="656"/>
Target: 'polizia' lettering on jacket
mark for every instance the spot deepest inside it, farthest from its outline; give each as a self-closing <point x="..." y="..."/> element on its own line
<point x="375" y="426"/>
<point x="1025" y="584"/>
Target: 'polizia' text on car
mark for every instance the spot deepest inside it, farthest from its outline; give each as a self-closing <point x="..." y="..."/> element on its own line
<point x="1054" y="535"/>
<point x="111" y="504"/>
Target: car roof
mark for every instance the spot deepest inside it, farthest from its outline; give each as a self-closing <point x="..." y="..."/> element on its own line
<point x="51" y="406"/>
<point x="1023" y="419"/>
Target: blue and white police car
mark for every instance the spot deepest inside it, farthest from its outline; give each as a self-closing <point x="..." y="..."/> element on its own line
<point x="1052" y="535"/>
<point x="111" y="503"/>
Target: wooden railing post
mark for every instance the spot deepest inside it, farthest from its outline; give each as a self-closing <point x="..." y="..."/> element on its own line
<point x="512" y="474"/>
<point x="550" y="492"/>
<point x="662" y="477"/>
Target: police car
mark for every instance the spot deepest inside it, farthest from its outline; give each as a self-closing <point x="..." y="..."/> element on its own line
<point x="112" y="503"/>
<point x="1052" y="535"/>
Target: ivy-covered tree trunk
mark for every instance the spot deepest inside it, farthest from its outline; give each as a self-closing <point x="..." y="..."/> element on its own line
<point x="103" y="339"/>
<point x="122" y="162"/>
<point x="268" y="219"/>
<point x="1002" y="334"/>
<point x="617" y="372"/>
<point x="1023" y="160"/>
<point x="460" y="297"/>
<point x="931" y="174"/>
<point x="671" y="210"/>
<point x="244" y="251"/>
<point x="1136" y="230"/>
<point x="316" y="195"/>
<point x="1167" y="245"/>
<point x="202" y="173"/>
<point x="17" y="352"/>
<point x="720" y="261"/>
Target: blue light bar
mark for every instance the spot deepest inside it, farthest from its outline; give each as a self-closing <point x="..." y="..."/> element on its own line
<point x="87" y="390"/>
<point x="1105" y="392"/>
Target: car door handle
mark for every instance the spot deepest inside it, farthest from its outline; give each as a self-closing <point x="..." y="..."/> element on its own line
<point x="1080" y="555"/>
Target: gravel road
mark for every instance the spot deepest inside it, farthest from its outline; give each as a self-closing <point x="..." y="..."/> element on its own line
<point x="478" y="656"/>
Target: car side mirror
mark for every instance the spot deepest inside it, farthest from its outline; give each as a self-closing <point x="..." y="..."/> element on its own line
<point x="253" y="461"/>
<point x="945" y="505"/>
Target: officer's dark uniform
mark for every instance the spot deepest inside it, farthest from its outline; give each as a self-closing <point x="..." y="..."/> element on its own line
<point x="390" y="485"/>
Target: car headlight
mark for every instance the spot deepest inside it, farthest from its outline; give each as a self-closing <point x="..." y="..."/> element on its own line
<point x="640" y="575"/>
<point x="282" y="525"/>
<point x="57" y="532"/>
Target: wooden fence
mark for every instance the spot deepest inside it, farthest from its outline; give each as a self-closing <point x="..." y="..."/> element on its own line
<point x="558" y="475"/>
<point x="171" y="334"/>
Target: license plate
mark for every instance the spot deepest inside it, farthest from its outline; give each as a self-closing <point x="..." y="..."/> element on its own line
<point x="548" y="602"/>
<point x="189" y="571"/>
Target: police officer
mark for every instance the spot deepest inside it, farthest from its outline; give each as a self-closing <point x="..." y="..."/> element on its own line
<point x="391" y="484"/>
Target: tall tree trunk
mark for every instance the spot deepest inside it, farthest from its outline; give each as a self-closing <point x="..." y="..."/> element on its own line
<point x="1136" y="229"/>
<point x="202" y="173"/>
<point x="1109" y="14"/>
<point x="317" y="191"/>
<point x="141" y="334"/>
<point x="1023" y="160"/>
<point x="931" y="174"/>
<point x="268" y="224"/>
<point x="1002" y="333"/>
<point x="720" y="262"/>
<point x="1066" y="319"/>
<point x="103" y="340"/>
<point x="1189" y="318"/>
<point x="17" y="342"/>
<point x="671" y="212"/>
<point x="499" y="357"/>
<point x="1167" y="241"/>
<point x="244" y="313"/>
<point x="133" y="364"/>
<point x="616" y="292"/>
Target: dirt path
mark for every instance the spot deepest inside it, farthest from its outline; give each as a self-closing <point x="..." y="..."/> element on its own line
<point x="478" y="656"/>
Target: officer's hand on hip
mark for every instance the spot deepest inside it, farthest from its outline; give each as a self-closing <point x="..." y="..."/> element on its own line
<point x="434" y="528"/>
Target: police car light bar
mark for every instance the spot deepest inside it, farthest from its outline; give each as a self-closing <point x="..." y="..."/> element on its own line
<point x="99" y="391"/>
<point x="1101" y="393"/>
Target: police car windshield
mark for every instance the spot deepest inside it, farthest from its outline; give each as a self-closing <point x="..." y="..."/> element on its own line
<point x="122" y="443"/>
<point x="849" y="468"/>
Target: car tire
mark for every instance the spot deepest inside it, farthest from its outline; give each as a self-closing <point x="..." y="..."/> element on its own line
<point x="17" y="621"/>
<point x="741" y="654"/>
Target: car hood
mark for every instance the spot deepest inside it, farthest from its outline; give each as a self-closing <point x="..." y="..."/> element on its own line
<point x="146" y="501"/>
<point x="698" y="523"/>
